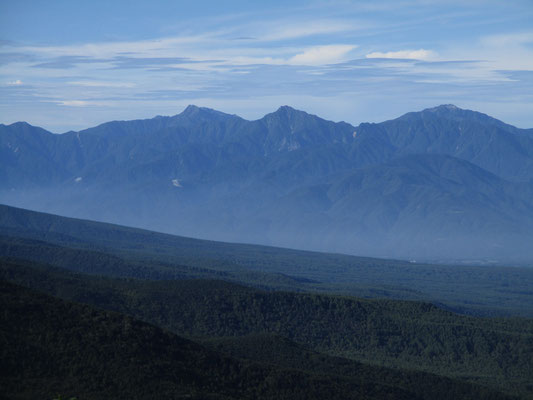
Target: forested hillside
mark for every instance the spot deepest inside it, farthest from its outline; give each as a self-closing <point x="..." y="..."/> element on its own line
<point x="406" y="335"/>
<point x="53" y="347"/>
<point x="92" y="247"/>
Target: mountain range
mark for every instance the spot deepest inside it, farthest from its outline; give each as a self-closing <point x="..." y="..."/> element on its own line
<point x="440" y="184"/>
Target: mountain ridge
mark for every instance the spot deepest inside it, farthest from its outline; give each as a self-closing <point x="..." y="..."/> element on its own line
<point x="193" y="110"/>
<point x="218" y="176"/>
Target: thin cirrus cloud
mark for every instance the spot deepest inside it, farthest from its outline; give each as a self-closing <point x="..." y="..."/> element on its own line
<point x="73" y="103"/>
<point x="509" y="39"/>
<point x="82" y="103"/>
<point x="321" y="55"/>
<point x="160" y="47"/>
<point x="163" y="52"/>
<point x="420" y="54"/>
<point x="292" y="30"/>
<point x="102" y="84"/>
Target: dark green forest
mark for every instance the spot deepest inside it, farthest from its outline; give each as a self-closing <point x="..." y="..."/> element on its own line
<point x="496" y="352"/>
<point x="52" y="346"/>
<point x="136" y="314"/>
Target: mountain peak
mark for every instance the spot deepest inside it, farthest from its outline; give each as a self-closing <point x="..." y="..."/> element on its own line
<point x="444" y="107"/>
<point x="444" y="111"/>
<point x="286" y="109"/>
<point x="19" y="124"/>
<point x="286" y="113"/>
<point x="192" y="111"/>
<point x="456" y="113"/>
<point x="23" y="126"/>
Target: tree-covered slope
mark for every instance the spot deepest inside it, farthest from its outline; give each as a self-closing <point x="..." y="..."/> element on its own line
<point x="407" y="335"/>
<point x="92" y="247"/>
<point x="280" y="351"/>
<point x="52" y="347"/>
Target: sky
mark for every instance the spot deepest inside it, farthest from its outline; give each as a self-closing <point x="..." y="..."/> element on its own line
<point x="72" y="64"/>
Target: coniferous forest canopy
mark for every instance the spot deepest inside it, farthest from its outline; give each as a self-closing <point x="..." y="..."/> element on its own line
<point x="266" y="200"/>
<point x="256" y="323"/>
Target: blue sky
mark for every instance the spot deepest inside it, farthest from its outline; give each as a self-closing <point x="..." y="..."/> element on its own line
<point x="73" y="64"/>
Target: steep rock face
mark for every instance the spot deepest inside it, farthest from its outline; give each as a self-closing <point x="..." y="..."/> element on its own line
<point x="289" y="178"/>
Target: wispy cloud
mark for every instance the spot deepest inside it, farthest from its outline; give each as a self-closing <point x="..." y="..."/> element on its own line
<point x="73" y="103"/>
<point x="9" y="57"/>
<point x="420" y="54"/>
<point x="321" y="55"/>
<point x="66" y="61"/>
<point x="162" y="47"/>
<point x="102" y="84"/>
<point x="291" y="29"/>
<point x="81" y="103"/>
<point x="508" y="39"/>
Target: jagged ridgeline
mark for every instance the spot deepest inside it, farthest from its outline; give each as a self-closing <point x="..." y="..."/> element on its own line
<point x="440" y="184"/>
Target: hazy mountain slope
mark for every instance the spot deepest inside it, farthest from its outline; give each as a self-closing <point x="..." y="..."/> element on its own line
<point x="282" y="180"/>
<point x="98" y="248"/>
<point x="26" y="157"/>
<point x="416" y="205"/>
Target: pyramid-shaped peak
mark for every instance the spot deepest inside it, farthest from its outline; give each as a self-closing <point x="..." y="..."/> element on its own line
<point x="286" y="112"/>
<point x="289" y="110"/>
<point x="192" y="111"/>
<point x="286" y="109"/>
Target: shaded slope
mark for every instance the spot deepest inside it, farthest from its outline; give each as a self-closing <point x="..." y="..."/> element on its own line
<point x="407" y="335"/>
<point x="282" y="352"/>
<point x="88" y="246"/>
<point x="53" y="346"/>
<point x="415" y="206"/>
